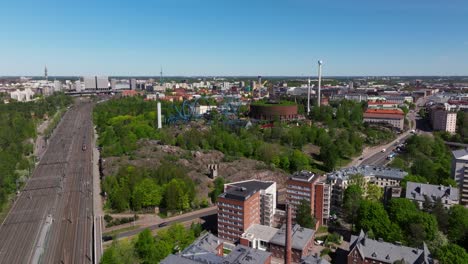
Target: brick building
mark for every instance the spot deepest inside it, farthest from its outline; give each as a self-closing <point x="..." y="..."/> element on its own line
<point x="243" y="204"/>
<point x="305" y="185"/>
<point x="394" y="117"/>
<point x="302" y="242"/>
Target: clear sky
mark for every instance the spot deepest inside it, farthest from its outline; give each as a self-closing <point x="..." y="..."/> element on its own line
<point x="234" y="37"/>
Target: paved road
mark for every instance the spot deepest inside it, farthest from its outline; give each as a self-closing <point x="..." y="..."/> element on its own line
<point x="51" y="220"/>
<point x="188" y="217"/>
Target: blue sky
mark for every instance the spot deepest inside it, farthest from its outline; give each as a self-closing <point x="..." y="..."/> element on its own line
<point x="224" y="37"/>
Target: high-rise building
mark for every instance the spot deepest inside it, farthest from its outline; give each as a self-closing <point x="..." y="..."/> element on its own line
<point x="96" y="82"/>
<point x="460" y="172"/>
<point x="57" y="86"/>
<point x="133" y="84"/>
<point x="113" y="84"/>
<point x="322" y="201"/>
<point x="243" y="204"/>
<point x="305" y="185"/>
<point x="442" y="119"/>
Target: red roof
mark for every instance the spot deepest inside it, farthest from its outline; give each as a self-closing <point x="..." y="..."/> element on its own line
<point x="381" y="103"/>
<point x="385" y="111"/>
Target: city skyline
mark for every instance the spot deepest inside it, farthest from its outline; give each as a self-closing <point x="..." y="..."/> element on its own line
<point x="268" y="38"/>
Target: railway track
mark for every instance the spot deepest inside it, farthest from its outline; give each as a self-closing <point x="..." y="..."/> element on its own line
<point x="51" y="220"/>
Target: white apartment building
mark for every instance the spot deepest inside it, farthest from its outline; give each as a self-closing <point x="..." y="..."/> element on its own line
<point x="460" y="172"/>
<point x="442" y="119"/>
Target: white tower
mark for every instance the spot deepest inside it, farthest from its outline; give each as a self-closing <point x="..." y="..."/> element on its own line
<point x="319" y="81"/>
<point x="308" y="96"/>
<point x="159" y="115"/>
<point x="45" y="73"/>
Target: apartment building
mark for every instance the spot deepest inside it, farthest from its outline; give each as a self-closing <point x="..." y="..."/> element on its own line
<point x="363" y="250"/>
<point x="305" y="185"/>
<point x="321" y="209"/>
<point x="460" y="173"/>
<point x="380" y="176"/>
<point x="422" y="192"/>
<point x="300" y="186"/>
<point x="442" y="119"/>
<point x="394" y="117"/>
<point x="243" y="204"/>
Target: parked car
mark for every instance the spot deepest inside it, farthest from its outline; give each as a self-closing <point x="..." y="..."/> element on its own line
<point x="162" y="224"/>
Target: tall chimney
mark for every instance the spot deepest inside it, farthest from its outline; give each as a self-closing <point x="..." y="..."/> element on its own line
<point x="159" y="115"/>
<point x="287" y="248"/>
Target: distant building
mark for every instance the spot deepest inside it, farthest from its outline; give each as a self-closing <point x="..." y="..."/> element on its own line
<point x="57" y="86"/>
<point x="363" y="250"/>
<point x="133" y="84"/>
<point x="243" y="204"/>
<point x="382" y="105"/>
<point x="393" y="117"/>
<point x="443" y="119"/>
<point x="96" y="83"/>
<point x="460" y="172"/>
<point x="380" y="176"/>
<point x="421" y="192"/>
<point x="22" y="96"/>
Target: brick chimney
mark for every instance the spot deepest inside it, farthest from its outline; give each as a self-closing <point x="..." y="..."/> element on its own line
<point x="287" y="248"/>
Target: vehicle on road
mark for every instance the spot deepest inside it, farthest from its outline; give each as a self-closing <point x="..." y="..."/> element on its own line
<point x="383" y="150"/>
<point x="413" y="131"/>
<point x="83" y="147"/>
<point x="361" y="158"/>
<point x="163" y="224"/>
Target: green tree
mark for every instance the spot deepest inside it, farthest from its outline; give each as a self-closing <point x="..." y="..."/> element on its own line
<point x="120" y="252"/>
<point x="217" y="189"/>
<point x="452" y="253"/>
<point x="374" y="192"/>
<point x="304" y="215"/>
<point x="351" y="200"/>
<point x="146" y="194"/>
<point x="330" y="156"/>
<point x="145" y="247"/>
<point x="372" y="216"/>
<point x="458" y="225"/>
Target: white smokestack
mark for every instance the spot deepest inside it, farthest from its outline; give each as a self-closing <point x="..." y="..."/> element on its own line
<point x="159" y="116"/>
<point x="319" y="81"/>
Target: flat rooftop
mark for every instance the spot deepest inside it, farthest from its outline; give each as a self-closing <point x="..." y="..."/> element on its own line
<point x="262" y="232"/>
<point x="300" y="236"/>
<point x="303" y="175"/>
<point x="244" y="190"/>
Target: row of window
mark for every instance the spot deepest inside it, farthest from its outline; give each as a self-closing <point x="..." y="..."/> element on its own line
<point x="230" y="211"/>
<point x="230" y="217"/>
<point x="298" y="192"/>
<point x="230" y="205"/>
<point x="226" y="227"/>
<point x="290" y="186"/>
<point x="299" y="198"/>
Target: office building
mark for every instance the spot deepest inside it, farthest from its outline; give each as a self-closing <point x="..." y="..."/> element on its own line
<point x="460" y="173"/>
<point x="394" y="117"/>
<point x="363" y="250"/>
<point x="442" y="119"/>
<point x="422" y="192"/>
<point x="243" y="204"/>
